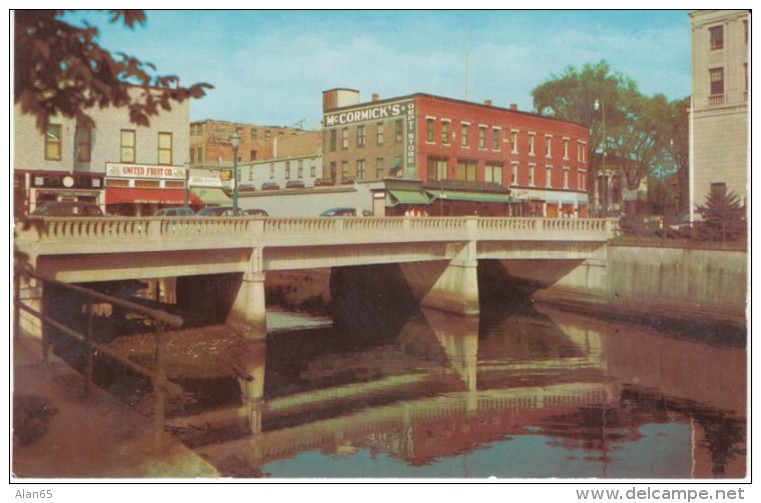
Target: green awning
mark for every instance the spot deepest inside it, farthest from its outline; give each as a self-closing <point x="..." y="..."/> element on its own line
<point x="408" y="197"/>
<point x="211" y="195"/>
<point x="478" y="197"/>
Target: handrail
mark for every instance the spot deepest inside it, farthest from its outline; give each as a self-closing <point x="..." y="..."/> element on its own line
<point x="157" y="375"/>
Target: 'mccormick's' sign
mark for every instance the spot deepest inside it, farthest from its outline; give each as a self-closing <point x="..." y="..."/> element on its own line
<point x="144" y="171"/>
<point x="367" y="114"/>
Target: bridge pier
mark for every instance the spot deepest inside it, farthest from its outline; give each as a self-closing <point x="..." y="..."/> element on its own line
<point x="456" y="290"/>
<point x="248" y="314"/>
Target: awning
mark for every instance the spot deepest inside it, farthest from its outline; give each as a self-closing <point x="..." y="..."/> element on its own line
<point x="408" y="197"/>
<point x="149" y="196"/>
<point x="479" y="197"/>
<point x="211" y="195"/>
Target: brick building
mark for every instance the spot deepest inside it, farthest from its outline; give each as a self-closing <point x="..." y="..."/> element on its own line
<point x="468" y="158"/>
<point x="720" y="128"/>
<point x="122" y="167"/>
<point x="210" y="142"/>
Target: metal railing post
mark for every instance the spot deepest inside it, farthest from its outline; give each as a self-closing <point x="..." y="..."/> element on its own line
<point x="159" y="393"/>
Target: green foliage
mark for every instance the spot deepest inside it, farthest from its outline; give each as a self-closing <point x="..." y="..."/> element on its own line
<point x="723" y="217"/>
<point x="60" y="69"/>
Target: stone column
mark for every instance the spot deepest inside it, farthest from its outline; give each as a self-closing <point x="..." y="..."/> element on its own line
<point x="248" y="314"/>
<point x="456" y="290"/>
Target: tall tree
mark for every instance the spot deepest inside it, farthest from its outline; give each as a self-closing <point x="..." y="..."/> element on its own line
<point x="572" y="96"/>
<point x="60" y="69"/>
<point x="679" y="148"/>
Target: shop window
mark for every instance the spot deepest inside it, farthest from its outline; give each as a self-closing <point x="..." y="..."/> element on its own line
<point x="466" y="170"/>
<point x="493" y="173"/>
<point x="437" y="168"/>
<point x="147" y="184"/>
<point x="84" y="143"/>
<point x="165" y="148"/>
<point x="128" y="145"/>
<point x="53" y="143"/>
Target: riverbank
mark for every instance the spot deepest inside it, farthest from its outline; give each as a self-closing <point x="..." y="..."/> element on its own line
<point x="61" y="434"/>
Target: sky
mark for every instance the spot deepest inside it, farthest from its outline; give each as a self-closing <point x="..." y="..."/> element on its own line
<point x="270" y="67"/>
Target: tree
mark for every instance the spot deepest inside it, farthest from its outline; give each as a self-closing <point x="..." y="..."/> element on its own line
<point x="723" y="217"/>
<point x="679" y="149"/>
<point x="60" y="69"/>
<point x="572" y="95"/>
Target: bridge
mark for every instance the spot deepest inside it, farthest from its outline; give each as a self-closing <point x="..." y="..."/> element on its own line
<point x="116" y="248"/>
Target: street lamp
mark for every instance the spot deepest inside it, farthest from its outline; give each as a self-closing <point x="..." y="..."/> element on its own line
<point x="187" y="181"/>
<point x="604" y="154"/>
<point x="235" y="141"/>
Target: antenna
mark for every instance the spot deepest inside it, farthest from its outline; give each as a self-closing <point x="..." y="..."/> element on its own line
<point x="467" y="50"/>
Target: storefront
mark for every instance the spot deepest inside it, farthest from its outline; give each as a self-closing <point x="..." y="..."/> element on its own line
<point x="33" y="189"/>
<point x="142" y="189"/>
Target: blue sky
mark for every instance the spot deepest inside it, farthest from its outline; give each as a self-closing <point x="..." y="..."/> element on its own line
<point x="270" y="67"/>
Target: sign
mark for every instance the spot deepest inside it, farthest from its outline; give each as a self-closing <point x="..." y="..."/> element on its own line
<point x="205" y="181"/>
<point x="226" y="175"/>
<point x="144" y="171"/>
<point x="410" y="167"/>
<point x="68" y="181"/>
<point x="371" y="113"/>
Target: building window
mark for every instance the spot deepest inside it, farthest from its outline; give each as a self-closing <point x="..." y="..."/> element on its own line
<point x="531" y="137"/>
<point x="437" y="169"/>
<point x="565" y="148"/>
<point x="361" y="169"/>
<point x="287" y="170"/>
<point x="493" y="173"/>
<point x="379" y="167"/>
<point x="495" y="138"/>
<point x="717" y="81"/>
<point x="165" y="148"/>
<point x="267" y="135"/>
<point x="466" y="170"/>
<point x="344" y="169"/>
<point x="254" y="155"/>
<point x="345" y="138"/>
<point x="300" y="172"/>
<point x="566" y="173"/>
<point x="548" y="146"/>
<point x="84" y="143"/>
<point x="313" y="171"/>
<point x="531" y="169"/>
<point x="445" y="132"/>
<point x="127" y="145"/>
<point x="464" y="133"/>
<point x="272" y="170"/>
<point x="514" y="174"/>
<point x="333" y="173"/>
<point x="254" y="134"/>
<point x="482" y="137"/>
<point x="398" y="131"/>
<point x="515" y="142"/>
<point x="379" y="133"/>
<point x="745" y="31"/>
<point x="718" y="189"/>
<point x="582" y="181"/>
<point x="548" y="176"/>
<point x="53" y="143"/>
<point x="717" y="37"/>
<point x="361" y="136"/>
<point x="429" y="130"/>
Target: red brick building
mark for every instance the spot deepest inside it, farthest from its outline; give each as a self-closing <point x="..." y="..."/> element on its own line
<point x="471" y="155"/>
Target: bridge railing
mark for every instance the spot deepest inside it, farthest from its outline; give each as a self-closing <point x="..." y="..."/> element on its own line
<point x="226" y="232"/>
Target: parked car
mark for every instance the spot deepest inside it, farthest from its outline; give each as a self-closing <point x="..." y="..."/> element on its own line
<point x="324" y="182"/>
<point x="339" y="212"/>
<point x="294" y="184"/>
<point x="180" y="211"/>
<point x="228" y="211"/>
<point x="68" y="209"/>
<point x="270" y="186"/>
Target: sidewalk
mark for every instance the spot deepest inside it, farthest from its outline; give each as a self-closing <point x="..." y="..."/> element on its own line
<point x="93" y="437"/>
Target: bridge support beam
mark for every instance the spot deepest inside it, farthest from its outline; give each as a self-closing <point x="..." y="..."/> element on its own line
<point x="248" y="314"/>
<point x="456" y="290"/>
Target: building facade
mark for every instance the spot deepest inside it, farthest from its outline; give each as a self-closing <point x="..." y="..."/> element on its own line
<point x="210" y="142"/>
<point x="465" y="153"/>
<point x="125" y="168"/>
<point x="720" y="129"/>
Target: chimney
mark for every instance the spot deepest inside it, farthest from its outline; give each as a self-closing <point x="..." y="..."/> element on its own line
<point x="513" y="106"/>
<point x="487" y="103"/>
<point x="375" y="97"/>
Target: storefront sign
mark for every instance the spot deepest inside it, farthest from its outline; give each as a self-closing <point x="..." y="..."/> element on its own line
<point x="144" y="171"/>
<point x="410" y="167"/>
<point x="367" y="114"/>
<point x="205" y="181"/>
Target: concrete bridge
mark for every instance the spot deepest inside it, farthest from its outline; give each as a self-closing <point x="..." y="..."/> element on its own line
<point x="105" y="249"/>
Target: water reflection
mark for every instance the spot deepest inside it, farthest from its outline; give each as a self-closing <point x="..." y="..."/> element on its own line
<point x="523" y="393"/>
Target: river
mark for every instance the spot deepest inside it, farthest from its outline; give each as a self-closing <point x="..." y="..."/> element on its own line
<point x="524" y="391"/>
